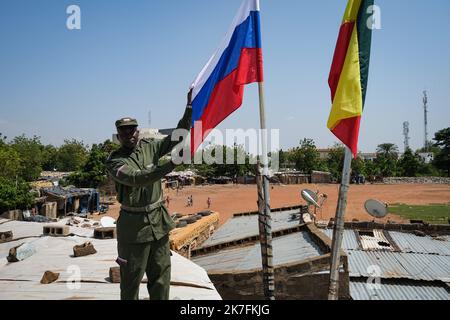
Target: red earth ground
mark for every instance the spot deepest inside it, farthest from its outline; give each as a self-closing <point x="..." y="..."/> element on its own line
<point x="231" y="199"/>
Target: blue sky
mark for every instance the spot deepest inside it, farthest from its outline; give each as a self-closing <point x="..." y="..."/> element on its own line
<point x="135" y="58"/>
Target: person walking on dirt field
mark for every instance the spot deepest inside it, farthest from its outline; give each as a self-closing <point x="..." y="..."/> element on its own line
<point x="144" y="223"/>
<point x="188" y="202"/>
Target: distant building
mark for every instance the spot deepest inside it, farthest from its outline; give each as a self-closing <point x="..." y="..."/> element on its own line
<point x="367" y="156"/>
<point x="324" y="153"/>
<point x="427" y="157"/>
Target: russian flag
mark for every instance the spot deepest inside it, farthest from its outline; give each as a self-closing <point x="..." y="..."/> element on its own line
<point x="219" y="88"/>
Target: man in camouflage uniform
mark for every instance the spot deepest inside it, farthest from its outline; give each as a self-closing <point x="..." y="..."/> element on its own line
<point x="144" y="223"/>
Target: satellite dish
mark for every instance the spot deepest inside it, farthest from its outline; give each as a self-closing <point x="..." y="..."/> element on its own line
<point x="376" y="208"/>
<point x="107" y="222"/>
<point x="310" y="197"/>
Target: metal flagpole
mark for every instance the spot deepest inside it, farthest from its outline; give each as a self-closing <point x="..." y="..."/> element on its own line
<point x="338" y="232"/>
<point x="265" y="220"/>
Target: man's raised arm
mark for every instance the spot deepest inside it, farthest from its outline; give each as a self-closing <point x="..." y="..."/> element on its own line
<point x="166" y="145"/>
<point x="128" y="176"/>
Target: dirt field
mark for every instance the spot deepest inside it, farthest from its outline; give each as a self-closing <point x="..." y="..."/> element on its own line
<point x="230" y="199"/>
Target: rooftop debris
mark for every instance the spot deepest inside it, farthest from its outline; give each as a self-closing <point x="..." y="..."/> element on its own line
<point x="6" y="236"/>
<point x="21" y="252"/>
<point x="49" y="277"/>
<point x="84" y="250"/>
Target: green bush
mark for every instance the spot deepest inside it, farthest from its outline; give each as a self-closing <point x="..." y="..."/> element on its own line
<point x="15" y="195"/>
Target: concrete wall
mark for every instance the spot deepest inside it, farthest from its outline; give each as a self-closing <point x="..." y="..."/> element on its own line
<point x="293" y="178"/>
<point x="418" y="180"/>
<point x="12" y="215"/>
<point x="294" y="282"/>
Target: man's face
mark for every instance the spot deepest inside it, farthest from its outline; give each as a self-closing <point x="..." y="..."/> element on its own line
<point x="128" y="136"/>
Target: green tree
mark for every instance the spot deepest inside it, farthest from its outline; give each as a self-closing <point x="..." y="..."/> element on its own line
<point x="372" y="170"/>
<point x="15" y="195"/>
<point x="432" y="148"/>
<point x="2" y="139"/>
<point x="10" y="165"/>
<point x="49" y="158"/>
<point x="93" y="174"/>
<point x="428" y="170"/>
<point x="72" y="156"/>
<point x="335" y="161"/>
<point x="204" y="170"/>
<point x="409" y="164"/>
<point x="358" y="166"/>
<point x="30" y="153"/>
<point x="240" y="166"/>
<point x="386" y="161"/>
<point x="306" y="157"/>
<point x="442" y="158"/>
<point x="282" y="158"/>
<point x="389" y="150"/>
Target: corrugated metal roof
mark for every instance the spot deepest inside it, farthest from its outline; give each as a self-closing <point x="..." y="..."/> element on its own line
<point x="411" y="243"/>
<point x="407" y="242"/>
<point x="247" y="226"/>
<point x="398" y="290"/>
<point x="403" y="274"/>
<point x="287" y="249"/>
<point x="399" y="265"/>
<point x="349" y="241"/>
<point x="376" y="242"/>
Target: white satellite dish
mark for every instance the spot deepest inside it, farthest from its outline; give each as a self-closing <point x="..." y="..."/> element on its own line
<point x="376" y="209"/>
<point x="310" y="197"/>
<point x="108" y="222"/>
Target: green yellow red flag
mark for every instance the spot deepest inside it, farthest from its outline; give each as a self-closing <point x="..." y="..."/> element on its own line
<point x="349" y="72"/>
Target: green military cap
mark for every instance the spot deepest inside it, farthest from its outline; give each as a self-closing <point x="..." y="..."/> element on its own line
<point x="126" y="122"/>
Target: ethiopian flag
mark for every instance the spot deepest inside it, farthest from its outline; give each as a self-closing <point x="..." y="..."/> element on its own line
<point x="349" y="73"/>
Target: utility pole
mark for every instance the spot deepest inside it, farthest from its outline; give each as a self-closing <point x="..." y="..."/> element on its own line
<point x="425" y="108"/>
<point x="406" y="134"/>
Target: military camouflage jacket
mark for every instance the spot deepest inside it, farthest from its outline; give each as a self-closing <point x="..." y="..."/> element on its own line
<point x="137" y="174"/>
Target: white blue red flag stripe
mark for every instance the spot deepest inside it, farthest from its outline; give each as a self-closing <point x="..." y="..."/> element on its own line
<point x="219" y="88"/>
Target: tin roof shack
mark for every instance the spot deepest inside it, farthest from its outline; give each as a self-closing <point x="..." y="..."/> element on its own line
<point x="397" y="261"/>
<point x="246" y="179"/>
<point x="73" y="199"/>
<point x="232" y="258"/>
<point x="184" y="178"/>
<point x="318" y="177"/>
<point x="220" y="180"/>
<point x="292" y="177"/>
